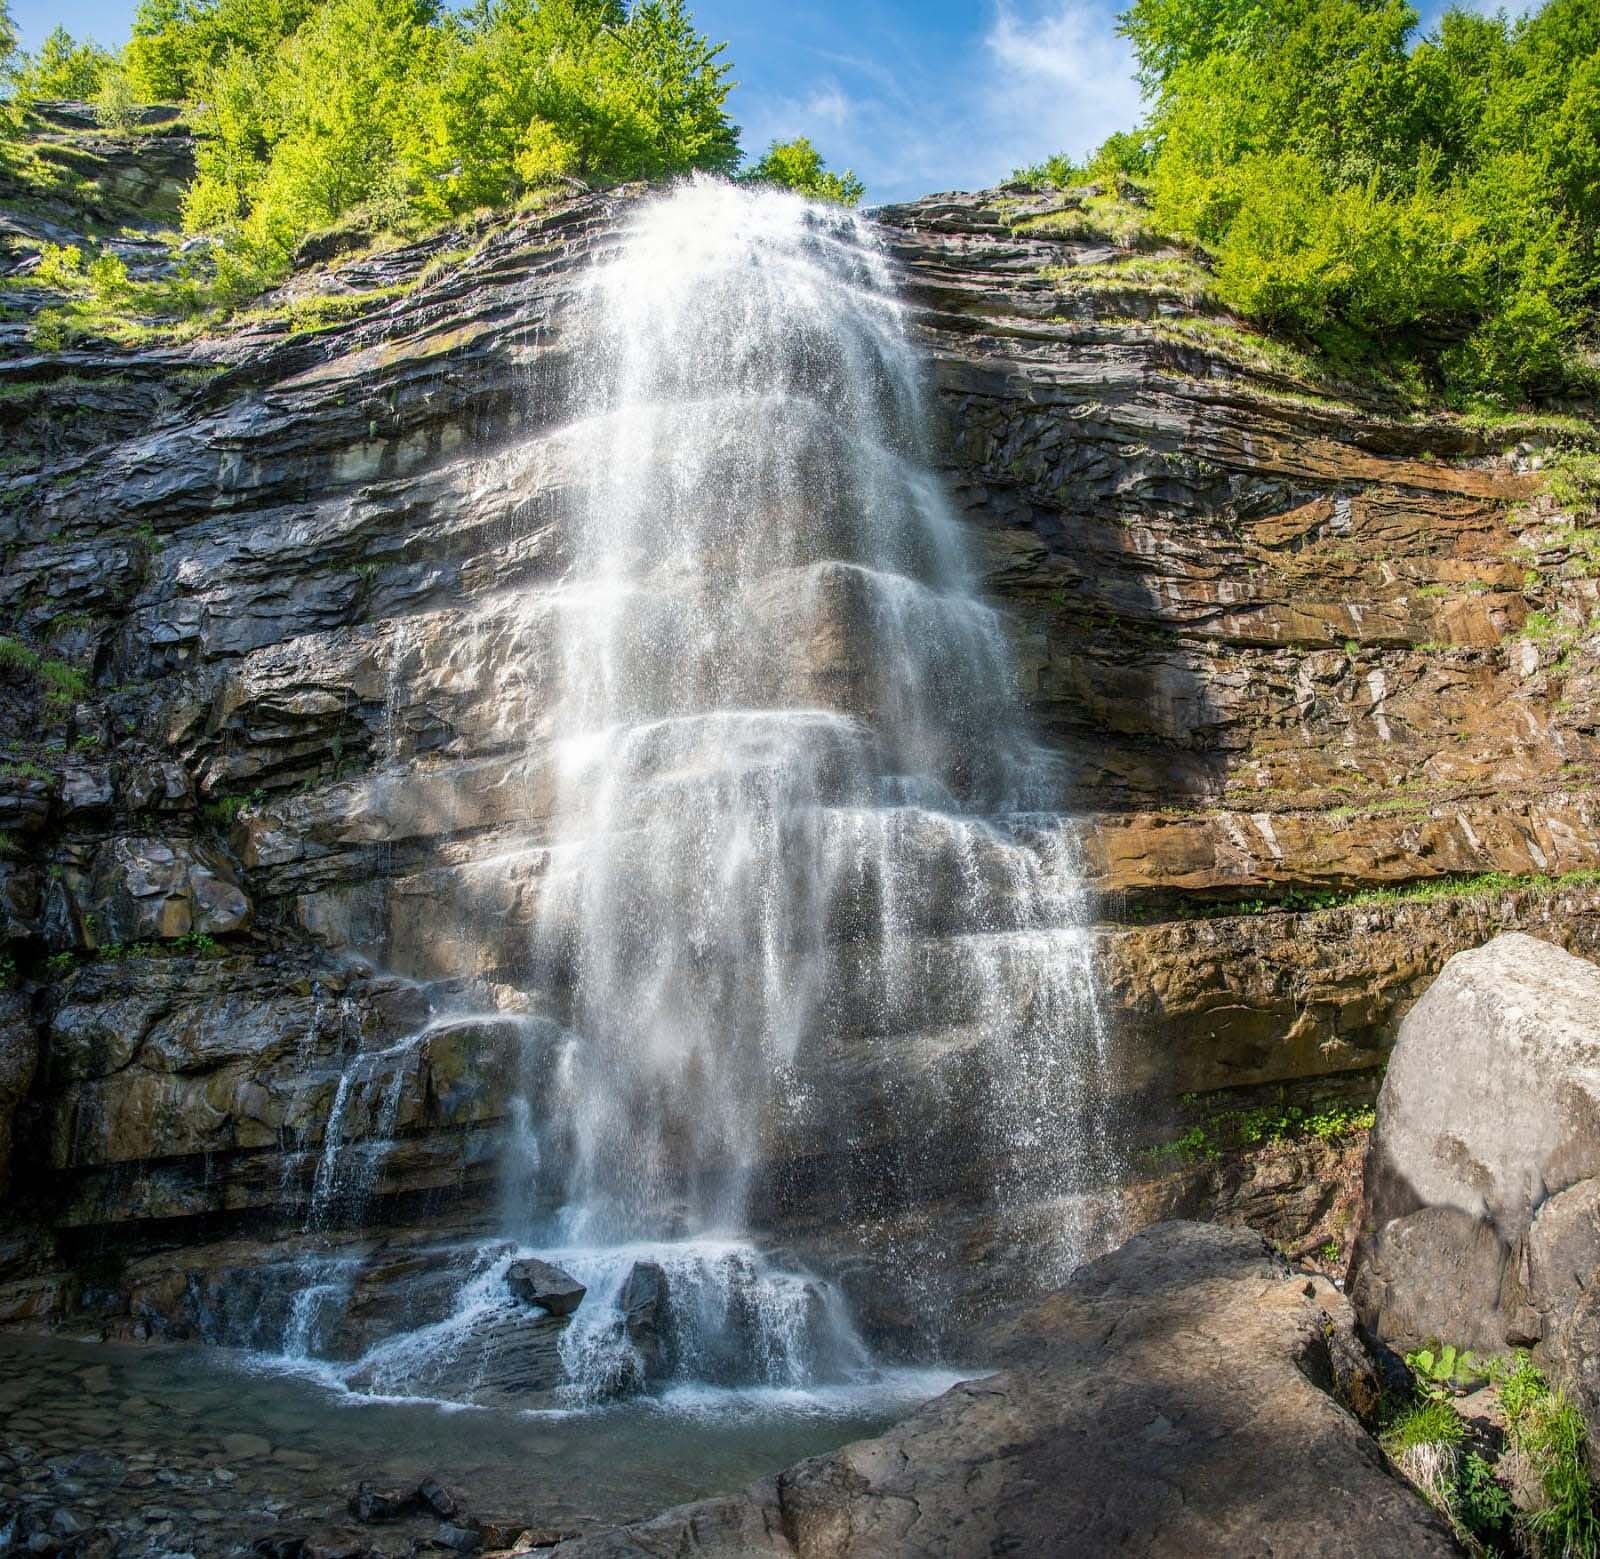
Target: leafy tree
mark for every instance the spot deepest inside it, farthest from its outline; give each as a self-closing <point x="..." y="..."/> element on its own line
<point x="63" y="68"/>
<point x="797" y="165"/>
<point x="177" y="43"/>
<point x="529" y="94"/>
<point x="1354" y="182"/>
<point x="403" y="114"/>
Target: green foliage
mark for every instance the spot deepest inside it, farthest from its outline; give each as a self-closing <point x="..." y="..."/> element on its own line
<point x="1549" y="1433"/>
<point x="115" y="107"/>
<point x="1572" y="477"/>
<point x="176" y="44"/>
<point x="63" y="68"/>
<point x="196" y="944"/>
<point x="1377" y="191"/>
<point x="1445" y="1365"/>
<point x="1234" y="1130"/>
<point x="397" y="114"/>
<point x="797" y="165"/>
<point x="63" y="685"/>
<point x="1428" y="1421"/>
<point x="227" y="808"/>
<point x="1482" y="1504"/>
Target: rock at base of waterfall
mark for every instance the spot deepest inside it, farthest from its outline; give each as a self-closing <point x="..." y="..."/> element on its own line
<point x="369" y="1505"/>
<point x="539" y="1283"/>
<point x="1185" y="1397"/>
<point x="646" y="1318"/>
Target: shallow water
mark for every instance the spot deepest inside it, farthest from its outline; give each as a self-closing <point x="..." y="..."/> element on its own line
<point x="179" y="1450"/>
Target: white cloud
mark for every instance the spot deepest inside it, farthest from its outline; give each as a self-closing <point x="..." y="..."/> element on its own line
<point x="1061" y="81"/>
<point x="1050" y="78"/>
<point x="828" y="105"/>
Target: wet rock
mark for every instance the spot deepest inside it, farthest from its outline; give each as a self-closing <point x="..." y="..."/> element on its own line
<point x="646" y="1318"/>
<point x="389" y="1504"/>
<point x="244" y="1447"/>
<point x="437" y="1498"/>
<point x="19" y="1057"/>
<point x="457" y="1539"/>
<point x="280" y="1545"/>
<point x="1163" y="1404"/>
<point x="336" y="1545"/>
<point x="149" y="889"/>
<point x="67" y="1522"/>
<point x="539" y="1283"/>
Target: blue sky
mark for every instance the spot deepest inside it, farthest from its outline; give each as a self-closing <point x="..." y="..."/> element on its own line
<point x="915" y="95"/>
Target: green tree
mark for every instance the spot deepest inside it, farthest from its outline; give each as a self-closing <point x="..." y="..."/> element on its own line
<point x="797" y="165"/>
<point x="63" y="68"/>
<point x="402" y="114"/>
<point x="1352" y="180"/>
<point x="176" y="43"/>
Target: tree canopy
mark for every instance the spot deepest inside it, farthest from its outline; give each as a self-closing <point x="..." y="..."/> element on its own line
<point x="797" y="165"/>
<point x="1354" y="179"/>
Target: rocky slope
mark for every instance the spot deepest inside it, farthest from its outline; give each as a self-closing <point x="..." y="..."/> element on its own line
<point x="260" y="588"/>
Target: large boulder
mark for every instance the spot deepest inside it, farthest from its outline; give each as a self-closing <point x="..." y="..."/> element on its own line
<point x="1482" y="1221"/>
<point x="1174" y="1399"/>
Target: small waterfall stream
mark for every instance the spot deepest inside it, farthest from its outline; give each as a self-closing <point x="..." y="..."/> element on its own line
<point x="796" y="806"/>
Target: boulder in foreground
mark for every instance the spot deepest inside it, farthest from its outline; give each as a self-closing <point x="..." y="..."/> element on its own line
<point x="1482" y="1226"/>
<point x="1174" y="1399"/>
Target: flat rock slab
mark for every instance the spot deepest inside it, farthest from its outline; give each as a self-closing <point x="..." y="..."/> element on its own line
<point x="1166" y="1402"/>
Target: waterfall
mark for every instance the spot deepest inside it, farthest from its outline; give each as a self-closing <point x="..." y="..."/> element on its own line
<point x="785" y="725"/>
<point x="787" y="815"/>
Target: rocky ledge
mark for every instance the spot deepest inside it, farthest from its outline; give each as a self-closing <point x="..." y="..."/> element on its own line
<point x="1186" y="1395"/>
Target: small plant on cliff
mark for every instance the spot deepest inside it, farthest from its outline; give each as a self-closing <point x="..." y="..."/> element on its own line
<point x="63" y="685"/>
<point x="1483" y="1506"/>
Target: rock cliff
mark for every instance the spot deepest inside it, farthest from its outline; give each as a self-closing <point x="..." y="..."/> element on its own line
<point x="1295" y="644"/>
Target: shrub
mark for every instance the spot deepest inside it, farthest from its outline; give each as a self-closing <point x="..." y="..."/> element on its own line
<point x="797" y="165"/>
<point x="114" y="104"/>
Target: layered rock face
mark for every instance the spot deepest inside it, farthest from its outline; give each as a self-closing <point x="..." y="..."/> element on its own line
<point x="1483" y="1175"/>
<point x="268" y="732"/>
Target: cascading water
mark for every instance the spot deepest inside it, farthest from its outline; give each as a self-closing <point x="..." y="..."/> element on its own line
<point x="796" y="809"/>
<point x="786" y="727"/>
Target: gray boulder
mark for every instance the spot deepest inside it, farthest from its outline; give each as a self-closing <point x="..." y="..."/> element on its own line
<point x="539" y="1283"/>
<point x="1174" y="1399"/>
<point x="1482" y="1222"/>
